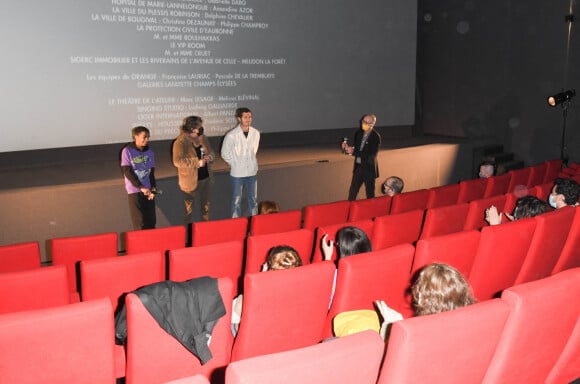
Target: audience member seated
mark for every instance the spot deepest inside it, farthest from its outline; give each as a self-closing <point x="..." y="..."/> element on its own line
<point x="437" y="288"/>
<point x="527" y="206"/>
<point x="564" y="192"/>
<point x="280" y="257"/>
<point x="392" y="185"/>
<point x="486" y="169"/>
<point x="268" y="206"/>
<point x="349" y="241"/>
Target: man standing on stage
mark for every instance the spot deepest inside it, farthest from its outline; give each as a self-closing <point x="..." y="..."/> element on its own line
<point x="366" y="146"/>
<point x="239" y="151"/>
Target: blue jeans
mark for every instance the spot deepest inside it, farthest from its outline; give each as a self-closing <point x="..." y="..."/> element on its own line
<point x="250" y="183"/>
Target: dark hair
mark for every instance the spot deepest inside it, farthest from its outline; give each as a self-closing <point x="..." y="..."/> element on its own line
<point x="568" y="188"/>
<point x="240" y="111"/>
<point x="397" y="184"/>
<point x="529" y="206"/>
<point x="138" y="130"/>
<point x="190" y="123"/>
<point x="268" y="206"/>
<point x="352" y="241"/>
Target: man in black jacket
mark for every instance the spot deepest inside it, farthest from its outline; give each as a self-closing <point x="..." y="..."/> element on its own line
<point x="365" y="150"/>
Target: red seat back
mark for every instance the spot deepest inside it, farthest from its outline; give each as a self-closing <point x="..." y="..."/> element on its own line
<point x="67" y="344"/>
<point x="431" y="349"/>
<point x="112" y="277"/>
<point x="367" y="226"/>
<point x="500" y="255"/>
<point x="456" y="249"/>
<point x="34" y="289"/>
<point x="540" y="323"/>
<point x="283" y="310"/>
<point x="476" y="214"/>
<point x="542" y="191"/>
<point x="497" y="185"/>
<point x="276" y="222"/>
<point x="218" y="231"/>
<point x="537" y="174"/>
<point x="154" y="356"/>
<point x="215" y="260"/>
<point x="157" y="239"/>
<point x="351" y="359"/>
<point x="396" y="229"/>
<point x="553" y="167"/>
<point x="443" y="196"/>
<point x="547" y="243"/>
<point x="378" y="275"/>
<point x="318" y="215"/>
<point x="519" y="180"/>
<point x="567" y="368"/>
<point x="471" y="190"/>
<point x="19" y="257"/>
<point x="69" y="251"/>
<point x="369" y="208"/>
<point x="444" y="220"/>
<point x="258" y="247"/>
<point x="409" y="201"/>
<point x="570" y="255"/>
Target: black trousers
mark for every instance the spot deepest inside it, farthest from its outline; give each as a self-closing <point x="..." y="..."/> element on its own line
<point x="359" y="176"/>
<point x="142" y="211"/>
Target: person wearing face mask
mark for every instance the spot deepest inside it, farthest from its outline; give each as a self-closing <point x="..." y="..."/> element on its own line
<point x="365" y="149"/>
<point x="564" y="192"/>
<point x="192" y="155"/>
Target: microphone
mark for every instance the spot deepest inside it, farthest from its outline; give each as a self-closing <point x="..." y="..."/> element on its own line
<point x="157" y="192"/>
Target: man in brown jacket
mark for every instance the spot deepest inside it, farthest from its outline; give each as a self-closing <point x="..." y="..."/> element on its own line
<point x="192" y="155"/>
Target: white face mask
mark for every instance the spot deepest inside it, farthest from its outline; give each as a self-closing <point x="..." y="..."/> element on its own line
<point x="551" y="201"/>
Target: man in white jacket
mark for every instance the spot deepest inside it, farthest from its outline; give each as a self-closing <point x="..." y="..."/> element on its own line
<point x="239" y="151"/>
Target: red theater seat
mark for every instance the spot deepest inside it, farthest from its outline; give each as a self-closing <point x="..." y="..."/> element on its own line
<point x="157" y="239"/>
<point x="276" y="222"/>
<point x="547" y="243"/>
<point x="31" y="289"/>
<point x="67" y="344"/>
<point x="443" y="196"/>
<point x="397" y="229"/>
<point x="283" y="310"/>
<point x="378" y="275"/>
<point x="537" y="174"/>
<point x="197" y="379"/>
<point x="476" y="214"/>
<point x="500" y="255"/>
<point x="541" y="321"/>
<point x="542" y="191"/>
<point x="553" y="167"/>
<point x="444" y="220"/>
<point x="497" y="185"/>
<point x="456" y="249"/>
<point x="369" y="208"/>
<point x="367" y="226"/>
<point x="351" y="359"/>
<point x="570" y="255"/>
<point x="471" y="190"/>
<point x="154" y="356"/>
<point x="519" y="180"/>
<point x="218" y="231"/>
<point x="431" y="349"/>
<point x="69" y="251"/>
<point x="215" y="260"/>
<point x="258" y="247"/>
<point x="114" y="276"/>
<point x="19" y="257"/>
<point x="409" y="201"/>
<point x="567" y="368"/>
<point x="318" y="215"/>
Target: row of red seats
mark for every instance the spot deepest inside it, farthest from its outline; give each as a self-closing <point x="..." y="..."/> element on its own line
<point x="492" y="260"/>
<point x="531" y="334"/>
<point x="384" y="231"/>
